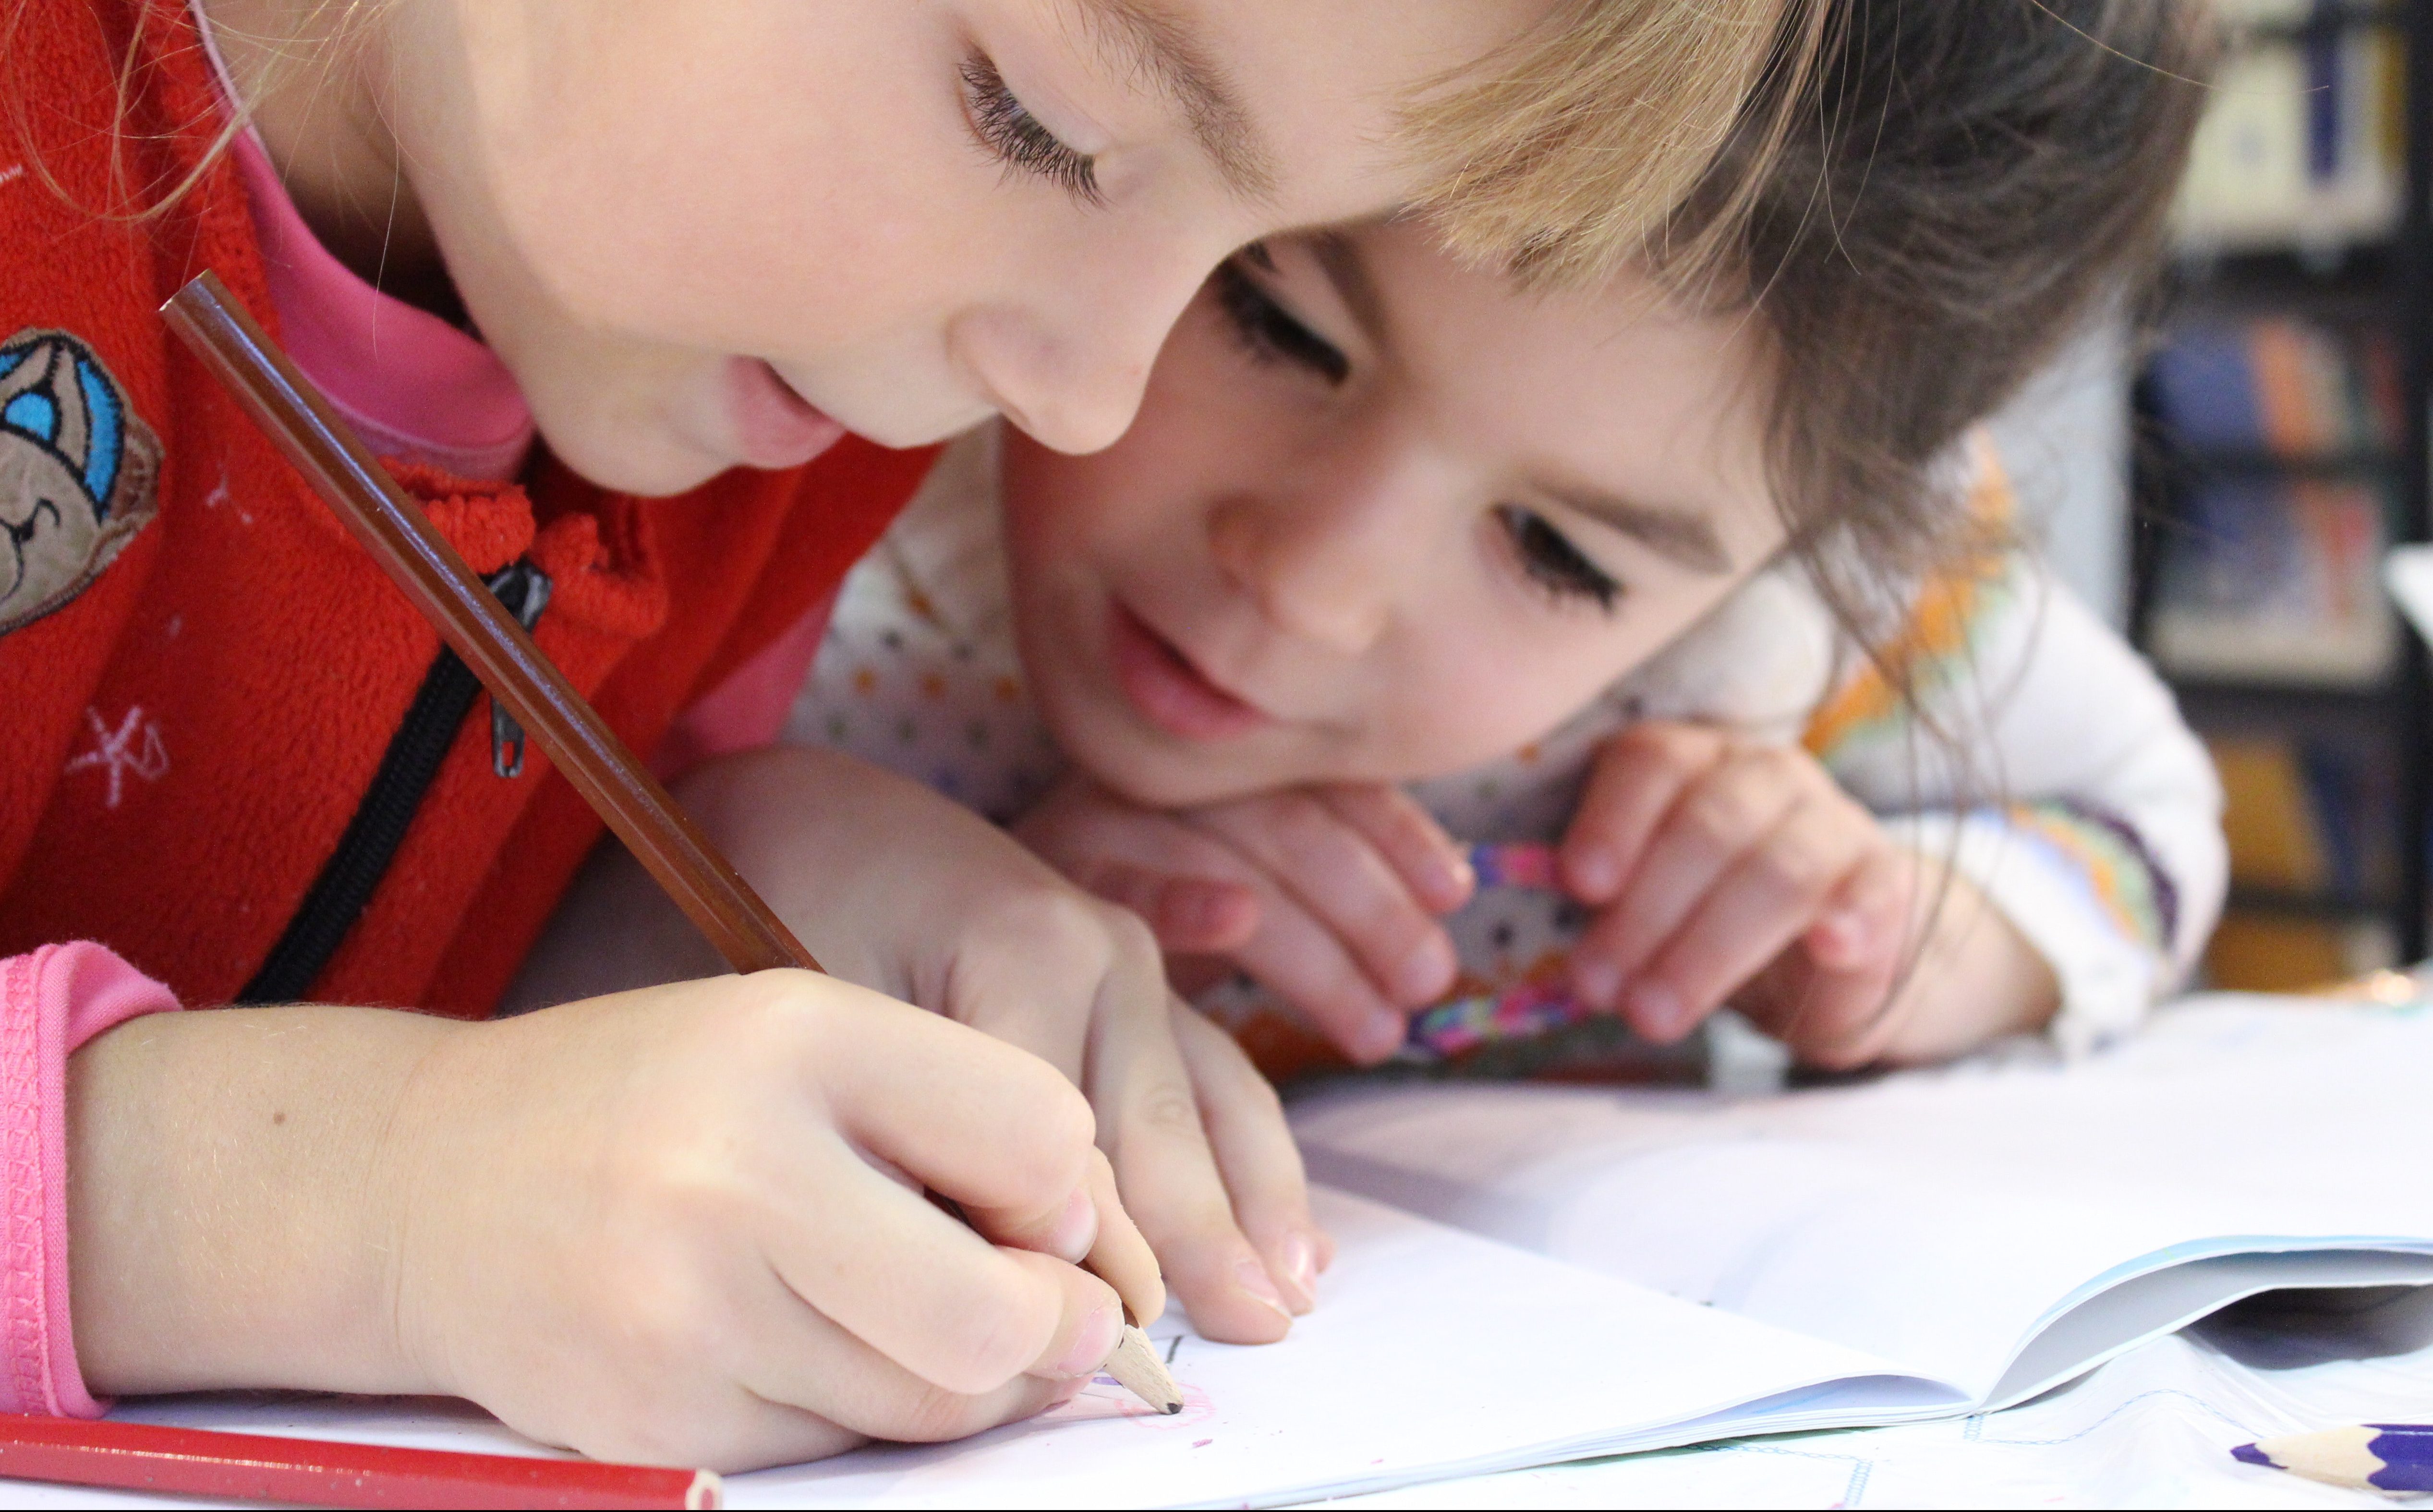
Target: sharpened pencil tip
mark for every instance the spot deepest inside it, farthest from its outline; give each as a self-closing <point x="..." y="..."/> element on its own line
<point x="1135" y="1365"/>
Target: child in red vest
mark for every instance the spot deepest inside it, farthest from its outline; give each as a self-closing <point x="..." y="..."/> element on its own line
<point x="612" y="284"/>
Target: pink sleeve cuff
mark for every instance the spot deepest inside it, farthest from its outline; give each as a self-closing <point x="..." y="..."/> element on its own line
<point x="51" y="1001"/>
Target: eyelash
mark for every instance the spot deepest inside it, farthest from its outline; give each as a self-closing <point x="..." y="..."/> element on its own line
<point x="1552" y="562"/>
<point x="1268" y="332"/>
<point x="1014" y="137"/>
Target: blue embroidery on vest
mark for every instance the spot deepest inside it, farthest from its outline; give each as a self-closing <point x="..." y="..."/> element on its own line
<point x="77" y="473"/>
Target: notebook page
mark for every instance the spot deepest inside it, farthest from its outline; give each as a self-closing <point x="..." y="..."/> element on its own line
<point x="1431" y="1354"/>
<point x="1934" y="1218"/>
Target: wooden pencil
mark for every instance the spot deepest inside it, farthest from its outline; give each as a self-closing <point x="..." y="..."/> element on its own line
<point x="264" y="1467"/>
<point x="2393" y="1458"/>
<point x="478" y="628"/>
<point x="712" y="893"/>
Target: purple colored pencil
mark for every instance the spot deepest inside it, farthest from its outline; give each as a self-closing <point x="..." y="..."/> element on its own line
<point x="2394" y="1457"/>
<point x="1520" y="863"/>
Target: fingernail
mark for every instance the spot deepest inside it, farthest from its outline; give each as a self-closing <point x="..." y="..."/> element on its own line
<point x="1301" y="1268"/>
<point x="1598" y="982"/>
<point x="1449" y="881"/>
<point x="1424" y="973"/>
<point x="1252" y="1277"/>
<point x="1077" y="1229"/>
<point x="1656" y="1011"/>
<point x="1380" y="1037"/>
<point x="1092" y="1342"/>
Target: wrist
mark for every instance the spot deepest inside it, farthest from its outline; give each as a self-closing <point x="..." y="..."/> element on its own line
<point x="236" y="1199"/>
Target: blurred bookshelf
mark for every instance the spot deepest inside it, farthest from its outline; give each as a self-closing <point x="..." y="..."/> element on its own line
<point x="2280" y="416"/>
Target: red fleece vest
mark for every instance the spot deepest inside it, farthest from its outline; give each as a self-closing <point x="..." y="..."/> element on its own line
<point x="200" y="671"/>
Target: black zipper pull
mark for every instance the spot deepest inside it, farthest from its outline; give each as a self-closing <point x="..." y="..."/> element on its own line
<point x="523" y="589"/>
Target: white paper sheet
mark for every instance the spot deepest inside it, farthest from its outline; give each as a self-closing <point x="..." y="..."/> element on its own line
<point x="1936" y="1219"/>
<point x="1432" y="1353"/>
<point x="2153" y="1429"/>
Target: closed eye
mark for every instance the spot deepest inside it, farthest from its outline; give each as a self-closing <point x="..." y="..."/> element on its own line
<point x="1551" y="562"/>
<point x="1015" y="137"/>
<point x="1270" y="332"/>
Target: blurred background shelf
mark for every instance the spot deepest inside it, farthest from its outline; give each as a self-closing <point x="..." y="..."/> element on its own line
<point x="2279" y="424"/>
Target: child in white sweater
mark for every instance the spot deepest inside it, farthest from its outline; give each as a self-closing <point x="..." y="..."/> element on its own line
<point x="1400" y="557"/>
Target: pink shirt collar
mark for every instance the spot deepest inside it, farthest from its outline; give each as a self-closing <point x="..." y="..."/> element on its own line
<point x="414" y="385"/>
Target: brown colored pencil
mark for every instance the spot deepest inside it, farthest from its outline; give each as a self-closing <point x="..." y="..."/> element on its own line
<point x="478" y="628"/>
<point x="712" y="893"/>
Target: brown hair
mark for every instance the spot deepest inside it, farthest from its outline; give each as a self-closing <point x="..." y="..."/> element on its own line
<point x="1962" y="186"/>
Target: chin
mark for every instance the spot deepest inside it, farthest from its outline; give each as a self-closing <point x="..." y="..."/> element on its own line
<point x="650" y="463"/>
<point x="1156" y="778"/>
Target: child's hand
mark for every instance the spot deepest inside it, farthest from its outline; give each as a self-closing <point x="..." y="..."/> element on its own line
<point x="1723" y="872"/>
<point x="895" y="888"/>
<point x="681" y="1225"/>
<point x="1328" y="896"/>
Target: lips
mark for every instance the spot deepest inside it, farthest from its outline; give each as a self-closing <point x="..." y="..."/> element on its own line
<point x="1168" y="690"/>
<point x="775" y="427"/>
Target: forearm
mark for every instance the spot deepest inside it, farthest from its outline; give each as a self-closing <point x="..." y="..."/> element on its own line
<point x="233" y="1205"/>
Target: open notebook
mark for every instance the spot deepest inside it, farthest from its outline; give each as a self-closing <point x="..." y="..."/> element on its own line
<point x="1530" y="1274"/>
<point x="1534" y="1273"/>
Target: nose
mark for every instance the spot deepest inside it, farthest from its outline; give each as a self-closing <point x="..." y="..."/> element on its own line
<point x="1328" y="552"/>
<point x="1070" y="370"/>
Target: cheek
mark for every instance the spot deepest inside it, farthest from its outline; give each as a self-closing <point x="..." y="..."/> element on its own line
<point x="1486" y="696"/>
<point x="1496" y="670"/>
<point x="718" y="178"/>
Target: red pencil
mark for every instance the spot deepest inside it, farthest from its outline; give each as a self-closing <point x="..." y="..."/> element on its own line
<point x="262" y="1467"/>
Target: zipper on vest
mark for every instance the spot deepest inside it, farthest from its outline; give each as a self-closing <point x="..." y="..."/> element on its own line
<point x="416" y="753"/>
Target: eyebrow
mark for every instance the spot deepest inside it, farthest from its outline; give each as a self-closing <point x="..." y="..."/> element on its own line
<point x="1687" y="539"/>
<point x="1153" y="46"/>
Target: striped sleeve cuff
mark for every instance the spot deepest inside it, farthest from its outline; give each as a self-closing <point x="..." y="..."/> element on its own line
<point x="2081" y="888"/>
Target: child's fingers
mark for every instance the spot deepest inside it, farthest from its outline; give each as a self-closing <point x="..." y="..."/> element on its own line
<point x="918" y="1286"/>
<point x="1306" y="966"/>
<point x="1191" y="915"/>
<point x="1195" y="894"/>
<point x="1715" y="821"/>
<point x="1829" y="998"/>
<point x="1865" y="920"/>
<point x="794" y="1358"/>
<point x="1834" y="1020"/>
<point x="1637" y="778"/>
<point x="1255" y="1152"/>
<point x="1159" y="1142"/>
<point x="1016" y="1138"/>
<point x="1344" y="883"/>
<point x="1770" y="897"/>
<point x="1121" y="1256"/>
<point x="1431" y="863"/>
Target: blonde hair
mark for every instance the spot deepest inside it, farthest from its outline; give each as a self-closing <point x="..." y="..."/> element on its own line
<point x="1562" y="156"/>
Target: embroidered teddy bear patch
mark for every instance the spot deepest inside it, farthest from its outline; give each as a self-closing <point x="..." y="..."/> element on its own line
<point x="78" y="472"/>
